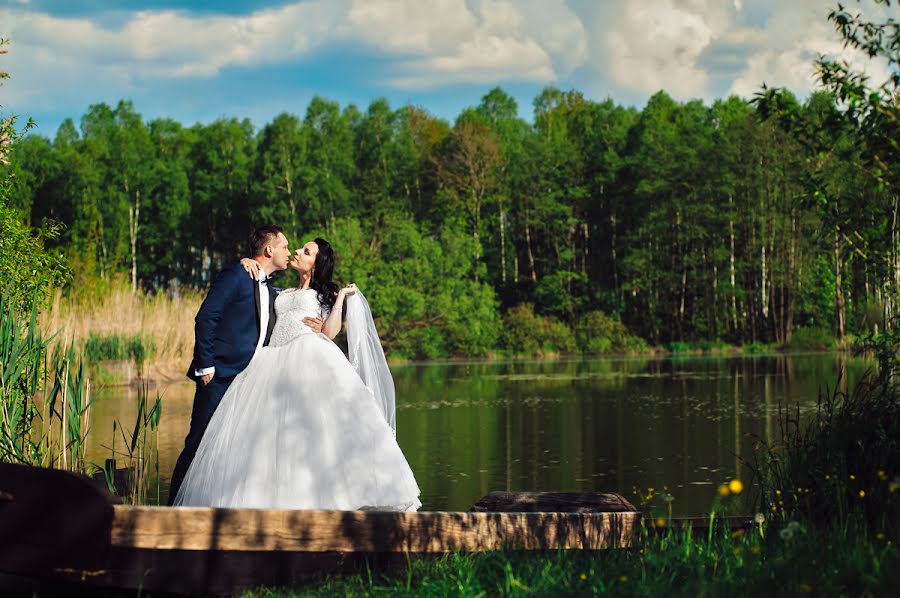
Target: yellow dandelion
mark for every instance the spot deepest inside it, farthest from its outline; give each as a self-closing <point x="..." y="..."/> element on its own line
<point x="723" y="490"/>
<point x="650" y="490"/>
<point x="755" y="549"/>
<point x="778" y="492"/>
<point x="862" y="493"/>
<point x="660" y="522"/>
<point x="882" y="474"/>
<point x="852" y="477"/>
<point x="623" y="578"/>
<point x="880" y="535"/>
<point x="827" y="477"/>
<point x="736" y="486"/>
<point x="738" y="533"/>
<point x="893" y="487"/>
<point x="583" y="576"/>
<point x="738" y="550"/>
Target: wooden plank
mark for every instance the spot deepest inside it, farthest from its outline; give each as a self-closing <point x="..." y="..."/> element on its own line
<point x="557" y="502"/>
<point x="200" y="528"/>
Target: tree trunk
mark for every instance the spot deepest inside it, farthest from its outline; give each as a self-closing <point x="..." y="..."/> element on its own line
<point x="840" y="314"/>
<point x="134" y="218"/>
<point x="529" y="249"/>
<point x="615" y="262"/>
<point x="792" y="277"/>
<point x="733" y="286"/>
<point x="502" y="245"/>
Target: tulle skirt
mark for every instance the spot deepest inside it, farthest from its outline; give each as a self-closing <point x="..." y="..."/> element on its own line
<point x="298" y="429"/>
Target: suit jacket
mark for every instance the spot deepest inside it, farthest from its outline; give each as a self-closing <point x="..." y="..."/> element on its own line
<point x="226" y="329"/>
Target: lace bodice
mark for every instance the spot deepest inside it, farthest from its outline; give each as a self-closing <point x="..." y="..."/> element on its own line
<point x="291" y="306"/>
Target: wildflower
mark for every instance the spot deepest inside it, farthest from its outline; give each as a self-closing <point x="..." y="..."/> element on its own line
<point x="759" y="518"/>
<point x="738" y="550"/>
<point x="755" y="549"/>
<point x="738" y="533"/>
<point x="723" y="490"/>
<point x="862" y="493"/>
<point x="786" y="534"/>
<point x="894" y="485"/>
<point x="650" y="490"/>
<point x="778" y="492"/>
<point x="584" y="577"/>
<point x="736" y="486"/>
<point x="774" y="509"/>
<point x="852" y="477"/>
<point x="880" y="535"/>
<point x="827" y="477"/>
<point x="667" y="497"/>
<point x="882" y="475"/>
<point x="660" y="522"/>
<point x="623" y="578"/>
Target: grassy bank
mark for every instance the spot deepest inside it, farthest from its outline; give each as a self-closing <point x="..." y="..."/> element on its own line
<point x="790" y="560"/>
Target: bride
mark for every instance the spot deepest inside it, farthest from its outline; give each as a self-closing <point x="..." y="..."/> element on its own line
<point x="302" y="427"/>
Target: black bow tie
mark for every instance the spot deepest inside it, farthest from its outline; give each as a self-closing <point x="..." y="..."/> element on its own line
<point x="266" y="281"/>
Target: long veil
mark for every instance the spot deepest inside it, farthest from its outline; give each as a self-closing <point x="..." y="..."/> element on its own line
<point x="367" y="356"/>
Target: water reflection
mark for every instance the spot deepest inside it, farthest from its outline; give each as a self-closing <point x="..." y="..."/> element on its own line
<point x="598" y="424"/>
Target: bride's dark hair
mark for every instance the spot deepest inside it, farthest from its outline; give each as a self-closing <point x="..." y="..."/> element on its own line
<point x="321" y="276"/>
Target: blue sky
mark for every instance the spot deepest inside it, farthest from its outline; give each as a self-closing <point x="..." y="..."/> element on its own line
<point x="197" y="61"/>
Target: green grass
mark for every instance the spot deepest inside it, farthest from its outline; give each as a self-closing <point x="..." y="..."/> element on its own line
<point x="136" y="348"/>
<point x="846" y="560"/>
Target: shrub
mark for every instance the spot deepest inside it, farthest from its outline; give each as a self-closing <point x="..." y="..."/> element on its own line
<point x="524" y="332"/>
<point x="811" y="339"/>
<point x="597" y="333"/>
<point x="117" y="347"/>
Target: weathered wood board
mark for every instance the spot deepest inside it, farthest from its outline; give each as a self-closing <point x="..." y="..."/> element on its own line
<point x="62" y="526"/>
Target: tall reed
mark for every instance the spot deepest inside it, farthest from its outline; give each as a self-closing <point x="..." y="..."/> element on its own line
<point x="44" y="394"/>
<point x="140" y="444"/>
<point x="111" y="309"/>
<point x="843" y="462"/>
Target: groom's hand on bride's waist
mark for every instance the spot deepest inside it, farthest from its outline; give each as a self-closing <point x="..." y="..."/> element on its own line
<point x="206" y="379"/>
<point x="314" y="323"/>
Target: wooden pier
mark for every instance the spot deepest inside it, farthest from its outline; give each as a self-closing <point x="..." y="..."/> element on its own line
<point x="64" y="527"/>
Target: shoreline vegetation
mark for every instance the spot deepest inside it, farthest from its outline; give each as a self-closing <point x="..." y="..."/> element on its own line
<point x="129" y="336"/>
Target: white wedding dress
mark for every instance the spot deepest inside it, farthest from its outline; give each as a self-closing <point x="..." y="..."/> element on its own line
<point x="299" y="429"/>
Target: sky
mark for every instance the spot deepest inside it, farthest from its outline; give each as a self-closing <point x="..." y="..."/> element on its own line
<point x="196" y="61"/>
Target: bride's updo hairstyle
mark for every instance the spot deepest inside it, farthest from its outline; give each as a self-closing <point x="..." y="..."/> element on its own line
<point x="321" y="277"/>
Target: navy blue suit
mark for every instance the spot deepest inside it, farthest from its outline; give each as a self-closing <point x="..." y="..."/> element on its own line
<point x="226" y="331"/>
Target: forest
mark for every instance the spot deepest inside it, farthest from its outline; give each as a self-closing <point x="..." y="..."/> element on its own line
<point x="592" y="227"/>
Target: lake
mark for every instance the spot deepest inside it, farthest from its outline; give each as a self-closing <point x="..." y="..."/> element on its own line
<point x="615" y="424"/>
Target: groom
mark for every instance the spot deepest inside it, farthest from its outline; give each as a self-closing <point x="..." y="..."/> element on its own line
<point x="235" y="321"/>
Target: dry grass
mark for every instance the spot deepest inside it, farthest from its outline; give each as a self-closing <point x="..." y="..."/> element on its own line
<point x="111" y="308"/>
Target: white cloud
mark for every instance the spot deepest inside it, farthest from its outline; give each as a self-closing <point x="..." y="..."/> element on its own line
<point x="450" y="41"/>
<point x="691" y="48"/>
<point x="657" y="44"/>
<point x="784" y="49"/>
<point x="432" y="42"/>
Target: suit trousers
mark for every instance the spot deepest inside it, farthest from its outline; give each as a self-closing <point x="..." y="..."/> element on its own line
<point x="206" y="399"/>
